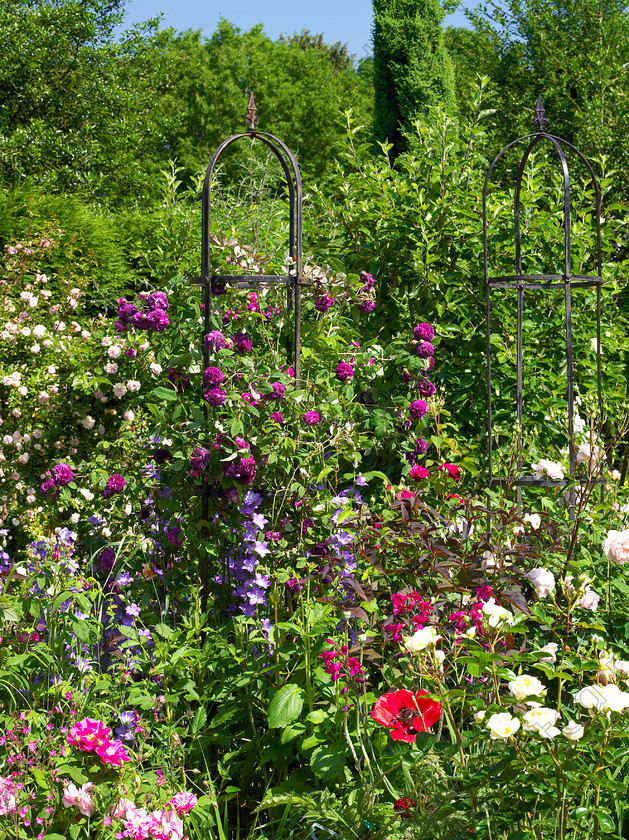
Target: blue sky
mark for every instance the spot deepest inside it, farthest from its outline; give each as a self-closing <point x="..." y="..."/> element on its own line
<point x="349" y="21"/>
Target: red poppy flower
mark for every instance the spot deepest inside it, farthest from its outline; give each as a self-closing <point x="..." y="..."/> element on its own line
<point x="406" y="714"/>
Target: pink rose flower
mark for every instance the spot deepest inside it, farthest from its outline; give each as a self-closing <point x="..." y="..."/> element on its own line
<point x="183" y="802"/>
<point x="616" y="547"/>
<point x="166" y="825"/>
<point x="112" y="752"/>
<point x="88" y="734"/>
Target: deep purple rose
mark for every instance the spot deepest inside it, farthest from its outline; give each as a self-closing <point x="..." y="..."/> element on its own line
<point x="160" y="456"/>
<point x="312" y="418"/>
<point x="178" y="379"/>
<point x="344" y="371"/>
<point x="366" y="305"/>
<point x="49" y="489"/>
<point x="157" y="300"/>
<point x="424" y="332"/>
<point x="426" y="388"/>
<point x="62" y="474"/>
<point x="115" y="484"/>
<point x="242" y="343"/>
<point x="323" y="302"/>
<point x="214" y="341"/>
<point x="199" y="460"/>
<point x="174" y="536"/>
<point x="417" y="409"/>
<point x="424" y="349"/>
<point x="157" y="320"/>
<point x="277" y="391"/>
<point x="277" y="417"/>
<point x="242" y="470"/>
<point x="212" y="377"/>
<point x="215" y="397"/>
<point x="106" y="559"/>
<point x="367" y="280"/>
<point x="139" y="321"/>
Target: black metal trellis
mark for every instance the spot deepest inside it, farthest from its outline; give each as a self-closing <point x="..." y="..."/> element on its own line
<point x="293" y="280"/>
<point x="521" y="282"/>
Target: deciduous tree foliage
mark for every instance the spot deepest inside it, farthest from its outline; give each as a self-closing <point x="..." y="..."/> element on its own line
<point x="412" y="69"/>
<point x="576" y="55"/>
<point x="77" y="106"/>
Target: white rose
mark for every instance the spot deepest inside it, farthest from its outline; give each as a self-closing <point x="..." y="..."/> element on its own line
<point x="543" y="580"/>
<point x="155" y="368"/>
<point x="526" y="686"/>
<point x="495" y="615"/>
<point x="87" y="494"/>
<point x="120" y="389"/>
<point x="542" y="721"/>
<point x="547" y="469"/>
<point x="534" y="520"/>
<point x="39" y="331"/>
<point x="129" y="416"/>
<point x="114" y="351"/>
<point x="502" y="726"/>
<point x="591" y="697"/>
<point x="549" y="651"/>
<point x="615" y="699"/>
<point x="589" y="600"/>
<point x="133" y="385"/>
<point x="422" y="639"/>
<point x="616" y="546"/>
<point x="88" y="422"/>
<point x="586" y="453"/>
<point x="479" y="717"/>
<point x="111" y="367"/>
<point x="573" y="731"/>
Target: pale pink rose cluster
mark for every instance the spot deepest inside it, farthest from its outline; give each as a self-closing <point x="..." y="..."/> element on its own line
<point x="92" y="735"/>
<point x="543" y="580"/>
<point x="616" y="547"/>
<point x="81" y="797"/>
<point x="589" y="599"/>
<point x="140" y="824"/>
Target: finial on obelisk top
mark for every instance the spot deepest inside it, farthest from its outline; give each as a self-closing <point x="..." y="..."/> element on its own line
<point x="539" y="119"/>
<point x="252" y="119"/>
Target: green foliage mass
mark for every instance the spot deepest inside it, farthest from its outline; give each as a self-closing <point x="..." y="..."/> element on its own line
<point x="412" y="70"/>
<point x="576" y="55"/>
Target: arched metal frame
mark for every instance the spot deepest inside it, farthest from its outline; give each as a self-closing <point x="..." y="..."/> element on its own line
<point x="294" y="280"/>
<point x="521" y="282"/>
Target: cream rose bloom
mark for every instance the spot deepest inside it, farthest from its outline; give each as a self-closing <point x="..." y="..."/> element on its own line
<point x="573" y="731"/>
<point x="543" y="580"/>
<point x="494" y="615"/>
<point x="526" y="686"/>
<point x="502" y="726"/>
<point x="616" y="546"/>
<point x="591" y="697"/>
<point x="422" y="639"/>
<point x="549" y="651"/>
<point x="615" y="699"/>
<point x="542" y="721"/>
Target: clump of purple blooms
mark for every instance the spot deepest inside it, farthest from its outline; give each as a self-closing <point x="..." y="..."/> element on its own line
<point x="323" y="302"/>
<point x="312" y="418"/>
<point x="277" y="417"/>
<point x="62" y="474"/>
<point x="241" y="470"/>
<point x="344" y="371"/>
<point x="277" y="391"/>
<point x="115" y="484"/>
<point x="153" y="317"/>
<point x="366" y="293"/>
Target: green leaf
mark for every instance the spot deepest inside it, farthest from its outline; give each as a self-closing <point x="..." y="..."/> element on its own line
<point x="317" y="716"/>
<point x="605" y="822"/>
<point x="161" y="393"/>
<point x="199" y="720"/>
<point x="328" y="762"/>
<point x="286" y="705"/>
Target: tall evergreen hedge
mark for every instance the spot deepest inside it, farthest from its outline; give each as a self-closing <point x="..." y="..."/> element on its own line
<point x="412" y="69"/>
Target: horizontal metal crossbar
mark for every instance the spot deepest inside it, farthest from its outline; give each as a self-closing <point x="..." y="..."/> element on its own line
<point x="544" y="281"/>
<point x="243" y="281"/>
<point x="530" y="481"/>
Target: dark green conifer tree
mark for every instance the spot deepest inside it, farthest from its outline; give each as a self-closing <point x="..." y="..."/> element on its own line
<point x="412" y="69"/>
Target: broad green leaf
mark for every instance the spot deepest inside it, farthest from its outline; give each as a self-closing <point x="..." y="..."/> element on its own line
<point x="286" y="705"/>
